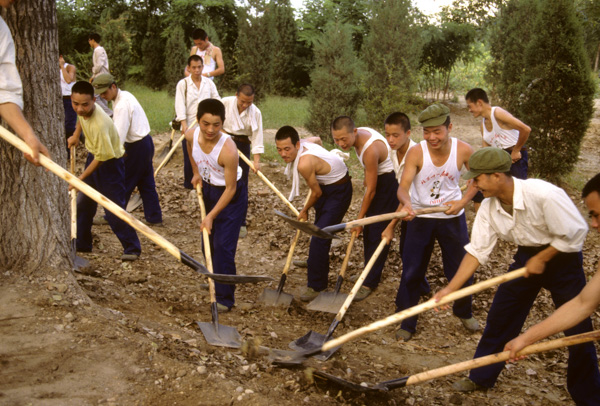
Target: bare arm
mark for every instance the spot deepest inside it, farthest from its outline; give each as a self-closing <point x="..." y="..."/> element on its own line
<point x="218" y="56"/>
<point x="189" y="144"/>
<point x="73" y="140"/>
<point x="314" y="140"/>
<point x="306" y="168"/>
<point x="12" y="114"/>
<point x="464" y="153"/>
<point x="511" y="122"/>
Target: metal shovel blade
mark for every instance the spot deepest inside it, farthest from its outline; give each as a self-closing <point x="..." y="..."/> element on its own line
<point x="313" y="341"/>
<point x="134" y="202"/>
<point x="78" y="262"/>
<point x="163" y="153"/>
<point x="330" y="302"/>
<point x="344" y="383"/>
<point x="306" y="227"/>
<point x="217" y="334"/>
<point x="272" y="297"/>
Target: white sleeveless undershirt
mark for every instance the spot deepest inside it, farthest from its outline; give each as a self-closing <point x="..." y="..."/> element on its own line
<point x="435" y="185"/>
<point x="208" y="164"/>
<point x="338" y="167"/>
<point x="385" y="166"/>
<point x="64" y="86"/>
<point x="499" y="137"/>
<point x="209" y="63"/>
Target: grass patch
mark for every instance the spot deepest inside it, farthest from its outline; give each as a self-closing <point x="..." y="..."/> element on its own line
<point x="158" y="105"/>
<point x="278" y="111"/>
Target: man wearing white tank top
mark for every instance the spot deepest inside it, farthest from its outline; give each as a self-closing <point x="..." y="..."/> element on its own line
<point x="330" y="185"/>
<point x="380" y="189"/>
<point x="67" y="80"/>
<point x="432" y="172"/>
<point x="225" y="194"/>
<point x="210" y="54"/>
<point x="500" y="129"/>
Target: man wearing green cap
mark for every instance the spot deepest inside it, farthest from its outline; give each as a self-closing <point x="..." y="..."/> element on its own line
<point x="549" y="231"/>
<point x="134" y="131"/>
<point x="431" y="173"/>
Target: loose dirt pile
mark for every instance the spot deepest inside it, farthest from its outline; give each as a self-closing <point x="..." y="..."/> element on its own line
<point x="137" y="343"/>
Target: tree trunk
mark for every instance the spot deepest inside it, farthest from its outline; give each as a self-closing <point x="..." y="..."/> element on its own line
<point x="597" y="59"/>
<point x="34" y="210"/>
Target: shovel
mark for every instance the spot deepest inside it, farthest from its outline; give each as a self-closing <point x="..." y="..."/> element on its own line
<point x="215" y="334"/>
<point x="292" y="358"/>
<point x="277" y="297"/>
<point x="128" y="218"/>
<point x="134" y="202"/>
<point x="313" y="341"/>
<point x="167" y="148"/>
<point x="329" y="231"/>
<point x="332" y="301"/>
<point x="462" y="366"/>
<point x="78" y="262"/>
<point x="172" y="150"/>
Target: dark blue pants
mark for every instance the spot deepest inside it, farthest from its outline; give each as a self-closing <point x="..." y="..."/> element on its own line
<point x="517" y="169"/>
<point x="244" y="148"/>
<point x="108" y="179"/>
<point x="188" y="173"/>
<point x="70" y="119"/>
<point x="139" y="172"/>
<point x="425" y="288"/>
<point x="564" y="279"/>
<point x="421" y="234"/>
<point x="224" y="235"/>
<point x="329" y="209"/>
<point x="385" y="201"/>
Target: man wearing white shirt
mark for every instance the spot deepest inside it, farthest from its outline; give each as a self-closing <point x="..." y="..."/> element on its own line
<point x="244" y="124"/>
<point x="549" y="231"/>
<point x="189" y="92"/>
<point x="134" y="131"/>
<point x="99" y="66"/>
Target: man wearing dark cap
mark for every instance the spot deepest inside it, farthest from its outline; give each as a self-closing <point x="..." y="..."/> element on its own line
<point x="431" y="174"/>
<point x="549" y="231"/>
<point x="134" y="131"/>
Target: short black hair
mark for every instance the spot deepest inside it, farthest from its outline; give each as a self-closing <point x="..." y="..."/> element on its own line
<point x="342" y="122"/>
<point x="95" y="36"/>
<point x="211" y="106"/>
<point x="398" y="118"/>
<point x="286" y="132"/>
<point x="200" y="34"/>
<point x="245" y="89"/>
<point x="83" y="87"/>
<point x="477" y="94"/>
<point x="447" y="122"/>
<point x="592" y="185"/>
<point x="195" y="58"/>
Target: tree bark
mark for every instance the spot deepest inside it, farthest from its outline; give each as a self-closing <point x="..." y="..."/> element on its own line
<point x="34" y="210"/>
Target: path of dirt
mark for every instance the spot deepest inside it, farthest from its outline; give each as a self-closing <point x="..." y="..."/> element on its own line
<point x="139" y="344"/>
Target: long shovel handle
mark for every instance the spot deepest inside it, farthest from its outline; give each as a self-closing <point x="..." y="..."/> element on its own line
<point x="206" y="239"/>
<point x="73" y="199"/>
<point x="173" y="149"/>
<point x="288" y="261"/>
<point x="123" y="215"/>
<point x="269" y="184"/>
<point x="420" y="308"/>
<point x="347" y="257"/>
<point x="489" y="359"/>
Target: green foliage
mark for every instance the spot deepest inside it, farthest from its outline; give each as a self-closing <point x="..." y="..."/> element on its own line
<point x="589" y="14"/>
<point x="467" y="75"/>
<point x="117" y="42"/>
<point x="153" y="56"/>
<point x="391" y="51"/>
<point x="280" y="15"/>
<point x="175" y="58"/>
<point x="335" y="87"/>
<point x="557" y="90"/>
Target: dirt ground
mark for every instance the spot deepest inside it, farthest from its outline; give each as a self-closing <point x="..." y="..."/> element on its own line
<point x="135" y="340"/>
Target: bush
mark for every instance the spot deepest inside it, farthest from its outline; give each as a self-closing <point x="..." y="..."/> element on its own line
<point x="153" y="57"/>
<point x="116" y="40"/>
<point x="176" y="54"/>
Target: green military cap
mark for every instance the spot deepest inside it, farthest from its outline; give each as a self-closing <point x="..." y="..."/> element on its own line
<point x="488" y="160"/>
<point x="434" y="115"/>
<point x="102" y="82"/>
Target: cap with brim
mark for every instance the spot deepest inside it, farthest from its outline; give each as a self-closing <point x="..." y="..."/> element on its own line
<point x="488" y="160"/>
<point x="434" y="115"/>
<point x="102" y="82"/>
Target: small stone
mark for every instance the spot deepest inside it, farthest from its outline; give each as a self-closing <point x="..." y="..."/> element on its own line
<point x="201" y="369"/>
<point x="273" y="334"/>
<point x="239" y="398"/>
<point x="59" y="327"/>
<point x="61" y="287"/>
<point x="306" y="399"/>
<point x="239" y="389"/>
<point x="410" y="401"/>
<point x="248" y="391"/>
<point x="69" y="317"/>
<point x="530" y="372"/>
<point x="181" y="373"/>
<point x="57" y="298"/>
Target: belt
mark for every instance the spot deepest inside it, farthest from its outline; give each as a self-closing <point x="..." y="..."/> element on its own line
<point x="345" y="179"/>
<point x="241" y="138"/>
<point x="67" y="97"/>
<point x="510" y="149"/>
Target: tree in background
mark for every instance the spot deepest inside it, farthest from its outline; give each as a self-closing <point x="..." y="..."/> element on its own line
<point x="557" y="90"/>
<point x="335" y="86"/>
<point x="391" y="52"/>
<point x="280" y="15"/>
<point x="116" y="40"/>
<point x="153" y="55"/>
<point x="176" y="53"/>
<point x="589" y="13"/>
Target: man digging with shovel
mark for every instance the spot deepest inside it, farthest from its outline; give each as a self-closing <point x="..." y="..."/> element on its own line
<point x="549" y="231"/>
<point x="330" y="186"/>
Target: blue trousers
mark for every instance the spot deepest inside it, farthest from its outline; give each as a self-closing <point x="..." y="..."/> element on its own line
<point x="564" y="279"/>
<point x="329" y="209"/>
<point x="70" y="116"/>
<point x="244" y="148"/>
<point x="108" y="179"/>
<point x="385" y="201"/>
<point x="188" y="172"/>
<point x="139" y="172"/>
<point x="224" y="235"/>
<point x="517" y="169"/>
<point x="425" y="288"/>
<point x="421" y="234"/>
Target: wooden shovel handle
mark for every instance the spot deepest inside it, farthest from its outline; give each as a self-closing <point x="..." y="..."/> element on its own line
<point x="358" y="284"/>
<point x="391" y="216"/>
<point x="348" y="251"/>
<point x="173" y="149"/>
<point x="420" y="308"/>
<point x="206" y="239"/>
<point x="288" y="261"/>
<point x="269" y="184"/>
<point x="502" y="356"/>
<point x="73" y="198"/>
